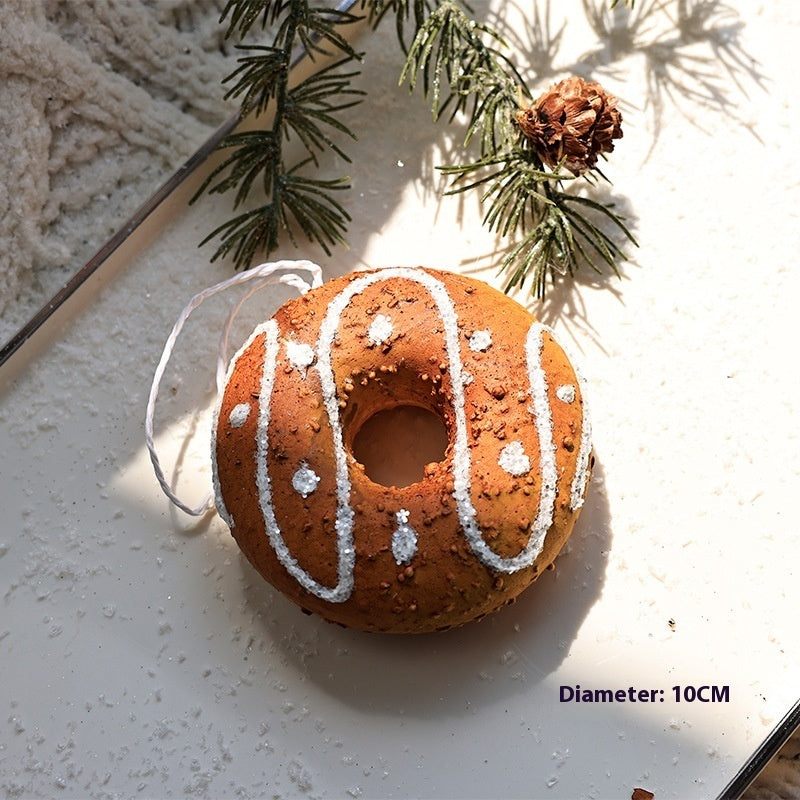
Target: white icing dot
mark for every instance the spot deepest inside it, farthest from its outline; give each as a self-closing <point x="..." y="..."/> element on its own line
<point x="239" y="415"/>
<point x="581" y="478"/>
<point x="380" y="329"/>
<point x="301" y="356"/>
<point x="480" y="341"/>
<point x="404" y="539"/>
<point x="566" y="393"/>
<point x="466" y="379"/>
<point x="514" y="460"/>
<point x="305" y="480"/>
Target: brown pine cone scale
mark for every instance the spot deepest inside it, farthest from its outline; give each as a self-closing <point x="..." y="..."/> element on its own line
<point x="575" y="120"/>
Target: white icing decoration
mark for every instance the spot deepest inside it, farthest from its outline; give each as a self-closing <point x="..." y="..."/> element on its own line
<point x="466" y="379"/>
<point x="547" y="465"/>
<point x="344" y="587"/>
<point x="480" y="341"/>
<point x="578" y="488"/>
<point x="404" y="539"/>
<point x="380" y="329"/>
<point x="514" y="460"/>
<point x="220" y="503"/>
<point x="402" y="546"/>
<point x="305" y="480"/>
<point x="301" y="356"/>
<point x="547" y="448"/>
<point x="462" y="466"/>
<point x="566" y="393"/>
<point x="239" y="415"/>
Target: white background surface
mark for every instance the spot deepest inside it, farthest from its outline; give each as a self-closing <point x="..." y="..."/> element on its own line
<point x="142" y="656"/>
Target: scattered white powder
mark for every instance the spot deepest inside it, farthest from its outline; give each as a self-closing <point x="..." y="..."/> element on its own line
<point x="480" y="341"/>
<point x="380" y="329"/>
<point x="514" y="460"/>
<point x="566" y="393"/>
<point x="239" y="415"/>
<point x="300" y="776"/>
<point x="305" y="480"/>
<point x="301" y="356"/>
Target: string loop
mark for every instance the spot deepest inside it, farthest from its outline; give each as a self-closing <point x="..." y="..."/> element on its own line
<point x="264" y="274"/>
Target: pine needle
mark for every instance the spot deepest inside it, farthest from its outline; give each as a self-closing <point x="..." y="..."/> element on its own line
<point x="460" y="65"/>
<point x="309" y="111"/>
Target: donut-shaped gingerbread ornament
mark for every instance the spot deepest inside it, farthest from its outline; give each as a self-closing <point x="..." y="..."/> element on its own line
<point x="481" y="525"/>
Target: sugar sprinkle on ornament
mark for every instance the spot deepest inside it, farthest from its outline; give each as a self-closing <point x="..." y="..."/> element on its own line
<point x="404" y="539"/>
<point x="566" y="393"/>
<point x="301" y="356"/>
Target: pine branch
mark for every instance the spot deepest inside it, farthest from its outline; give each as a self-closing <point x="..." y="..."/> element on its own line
<point x="461" y="67"/>
<point x="243" y="15"/>
<point x="454" y="53"/>
<point x="403" y="10"/>
<point x="312" y="106"/>
<point x="309" y="111"/>
<point x="557" y="234"/>
<point x="560" y="229"/>
<point x="306" y="201"/>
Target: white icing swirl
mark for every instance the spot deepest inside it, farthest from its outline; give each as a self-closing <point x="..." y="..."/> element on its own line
<point x="547" y="465"/>
<point x="219" y="502"/>
<point x="578" y="488"/>
<point x="344" y="585"/>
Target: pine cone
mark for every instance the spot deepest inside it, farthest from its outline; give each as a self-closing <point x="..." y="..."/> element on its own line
<point x="574" y="118"/>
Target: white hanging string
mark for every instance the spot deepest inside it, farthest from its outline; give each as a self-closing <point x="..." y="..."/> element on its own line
<point x="264" y="273"/>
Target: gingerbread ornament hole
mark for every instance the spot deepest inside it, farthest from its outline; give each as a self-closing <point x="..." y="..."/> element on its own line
<point x="396" y="444"/>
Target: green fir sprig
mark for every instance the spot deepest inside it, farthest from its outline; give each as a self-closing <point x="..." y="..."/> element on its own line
<point x="460" y="65"/>
<point x="309" y="111"/>
<point x="560" y="229"/>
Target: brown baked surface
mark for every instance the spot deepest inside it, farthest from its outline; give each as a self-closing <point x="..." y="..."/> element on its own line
<point x="445" y="584"/>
